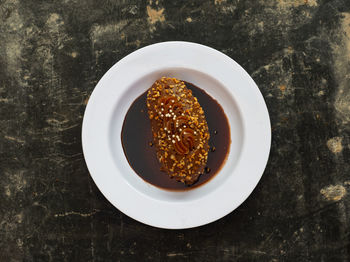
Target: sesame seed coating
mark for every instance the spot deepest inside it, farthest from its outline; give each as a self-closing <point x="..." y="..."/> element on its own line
<point x="180" y="132"/>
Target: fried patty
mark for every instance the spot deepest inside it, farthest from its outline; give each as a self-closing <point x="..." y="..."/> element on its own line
<point x="179" y="128"/>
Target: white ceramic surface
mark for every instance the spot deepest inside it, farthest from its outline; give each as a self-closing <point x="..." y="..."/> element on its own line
<point x="223" y="79"/>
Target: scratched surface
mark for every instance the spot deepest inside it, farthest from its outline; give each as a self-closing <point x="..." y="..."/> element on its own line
<point x="52" y="53"/>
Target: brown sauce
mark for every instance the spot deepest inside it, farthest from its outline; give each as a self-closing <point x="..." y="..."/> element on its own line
<point x="141" y="154"/>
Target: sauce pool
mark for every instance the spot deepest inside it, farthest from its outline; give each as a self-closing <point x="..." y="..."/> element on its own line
<point x="137" y="141"/>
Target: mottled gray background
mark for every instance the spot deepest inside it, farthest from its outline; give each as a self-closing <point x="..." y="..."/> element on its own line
<point x="52" y="54"/>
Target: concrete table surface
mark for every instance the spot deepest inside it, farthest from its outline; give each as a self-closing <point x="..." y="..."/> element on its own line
<point x="52" y="54"/>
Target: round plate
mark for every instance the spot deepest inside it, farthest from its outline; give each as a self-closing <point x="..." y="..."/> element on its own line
<point x="223" y="79"/>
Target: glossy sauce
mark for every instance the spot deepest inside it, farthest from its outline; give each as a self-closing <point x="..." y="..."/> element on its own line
<point x="141" y="154"/>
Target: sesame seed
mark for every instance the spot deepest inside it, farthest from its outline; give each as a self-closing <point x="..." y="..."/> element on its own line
<point x="173" y="141"/>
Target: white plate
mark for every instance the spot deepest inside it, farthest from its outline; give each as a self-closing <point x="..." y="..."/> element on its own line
<point x="223" y="79"/>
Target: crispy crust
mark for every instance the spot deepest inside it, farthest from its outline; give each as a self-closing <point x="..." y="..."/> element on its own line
<point x="179" y="128"/>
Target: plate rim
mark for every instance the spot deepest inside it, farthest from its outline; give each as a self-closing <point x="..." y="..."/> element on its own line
<point x="182" y="225"/>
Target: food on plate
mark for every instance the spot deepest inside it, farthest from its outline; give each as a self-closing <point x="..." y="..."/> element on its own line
<point x="155" y="159"/>
<point x="179" y="128"/>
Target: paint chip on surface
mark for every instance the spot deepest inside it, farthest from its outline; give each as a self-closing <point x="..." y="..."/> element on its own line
<point x="333" y="193"/>
<point x="282" y="88"/>
<point x="335" y="144"/>
<point x="218" y="2"/>
<point x="154" y="15"/>
<point x="296" y="3"/>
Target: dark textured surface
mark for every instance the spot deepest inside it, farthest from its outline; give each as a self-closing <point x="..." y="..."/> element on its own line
<point x="52" y="53"/>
